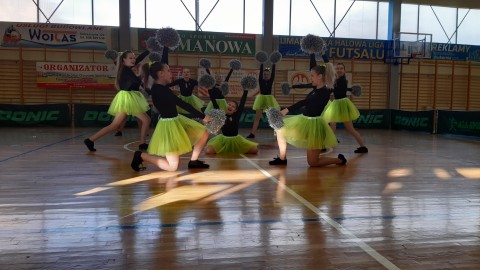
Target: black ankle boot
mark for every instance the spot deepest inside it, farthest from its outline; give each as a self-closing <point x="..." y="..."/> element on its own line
<point x="137" y="161"/>
<point x="89" y="144"/>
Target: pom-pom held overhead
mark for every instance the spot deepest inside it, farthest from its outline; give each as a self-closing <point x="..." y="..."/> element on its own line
<point x="285" y="88"/>
<point x="312" y="44"/>
<point x="261" y="56"/>
<point x="207" y="81"/>
<point x="224" y="88"/>
<point x="356" y="90"/>
<point x="217" y="122"/>
<point x="155" y="56"/>
<point x="275" y="57"/>
<point x="235" y="64"/>
<point x="248" y="82"/>
<point x="111" y="54"/>
<point x="153" y="45"/>
<point x="205" y="63"/>
<point x="168" y="37"/>
<point x="275" y="118"/>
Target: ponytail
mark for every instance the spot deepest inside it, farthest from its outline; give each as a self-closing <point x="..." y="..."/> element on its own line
<point x="327" y="71"/>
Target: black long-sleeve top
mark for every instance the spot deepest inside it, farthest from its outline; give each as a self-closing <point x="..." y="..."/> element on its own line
<point x="215" y="92"/>
<point x="129" y="81"/>
<point x="230" y="128"/>
<point x="314" y="102"/>
<point x="266" y="85"/>
<point x="166" y="102"/>
<point x="186" y="87"/>
<point x="340" y="87"/>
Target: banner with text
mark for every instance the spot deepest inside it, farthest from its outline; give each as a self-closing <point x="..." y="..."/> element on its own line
<point x="207" y="42"/>
<point x="75" y="75"/>
<point x="463" y="123"/>
<point x="417" y="121"/>
<point x="54" y="35"/>
<point x="32" y="115"/>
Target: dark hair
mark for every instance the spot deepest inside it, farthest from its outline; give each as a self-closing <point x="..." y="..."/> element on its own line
<point x="267" y="69"/>
<point x="155" y="68"/>
<point x="327" y="71"/>
<point x="341" y="64"/>
<point x="120" y="66"/>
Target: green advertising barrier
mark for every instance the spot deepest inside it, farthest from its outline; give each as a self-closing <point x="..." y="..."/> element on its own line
<point x="416" y="121"/>
<point x="462" y="123"/>
<point x="32" y="115"/>
<point x="87" y="115"/>
<point x="373" y="119"/>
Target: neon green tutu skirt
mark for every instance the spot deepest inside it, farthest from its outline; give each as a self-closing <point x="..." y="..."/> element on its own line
<point x="231" y="145"/>
<point x="341" y="110"/>
<point x="222" y="104"/>
<point x="129" y="102"/>
<point x="263" y="102"/>
<point x="308" y="132"/>
<point x="175" y="136"/>
<point x="192" y="100"/>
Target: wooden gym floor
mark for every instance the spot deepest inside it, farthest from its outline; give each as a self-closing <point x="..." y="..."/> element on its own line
<point x="413" y="202"/>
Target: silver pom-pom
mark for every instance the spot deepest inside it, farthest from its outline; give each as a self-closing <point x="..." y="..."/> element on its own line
<point x="155" y="56"/>
<point x="111" y="54"/>
<point x="153" y="45"/>
<point x="285" y="88"/>
<point x="217" y="122"/>
<point x="249" y="82"/>
<point x="312" y="44"/>
<point x="356" y="90"/>
<point x="168" y="37"/>
<point x="224" y="88"/>
<point x="275" y="118"/>
<point x="205" y="63"/>
<point x="207" y="81"/>
<point x="235" y="64"/>
<point x="275" y="57"/>
<point x="261" y="56"/>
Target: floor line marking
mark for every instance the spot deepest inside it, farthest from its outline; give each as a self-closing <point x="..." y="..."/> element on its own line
<point x="39" y="148"/>
<point x="364" y="246"/>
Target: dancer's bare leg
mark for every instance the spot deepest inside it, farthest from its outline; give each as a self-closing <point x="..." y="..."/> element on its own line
<point x="315" y="160"/>
<point x="169" y="163"/>
<point x="144" y="126"/>
<point x="198" y="147"/>
<point x="350" y="129"/>
<point x="117" y="121"/>
<point x="258" y="116"/>
<point x="282" y="145"/>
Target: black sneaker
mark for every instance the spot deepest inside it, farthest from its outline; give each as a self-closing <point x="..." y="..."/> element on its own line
<point x="323" y="150"/>
<point x="118" y="134"/>
<point x="197" y="164"/>
<point x="89" y="144"/>
<point x="342" y="157"/>
<point x="143" y="146"/>
<point x="251" y="136"/>
<point x="278" y="161"/>
<point x="137" y="161"/>
<point x="361" y="150"/>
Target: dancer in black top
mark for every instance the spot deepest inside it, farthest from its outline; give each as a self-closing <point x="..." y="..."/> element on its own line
<point x="216" y="93"/>
<point x="174" y="134"/>
<point x="264" y="99"/>
<point x="229" y="142"/>
<point x="309" y="130"/>
<point x="187" y="86"/>
<point x="128" y="101"/>
<point x="342" y="109"/>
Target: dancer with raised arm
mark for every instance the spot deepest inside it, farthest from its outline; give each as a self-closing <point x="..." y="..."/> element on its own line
<point x="264" y="98"/>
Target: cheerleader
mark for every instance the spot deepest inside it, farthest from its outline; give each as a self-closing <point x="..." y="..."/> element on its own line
<point x="187" y="87"/>
<point x="265" y="99"/>
<point x="174" y="134"/>
<point x="342" y="110"/>
<point x="309" y="130"/>
<point x="128" y="101"/>
<point x="229" y="142"/>
<point x="216" y="93"/>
